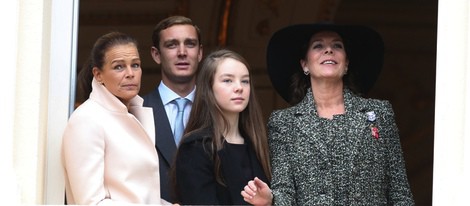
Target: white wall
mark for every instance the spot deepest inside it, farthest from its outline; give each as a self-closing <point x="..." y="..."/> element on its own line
<point x="37" y="51"/>
<point x="451" y="177"/>
<point x="8" y="10"/>
<point x="63" y="53"/>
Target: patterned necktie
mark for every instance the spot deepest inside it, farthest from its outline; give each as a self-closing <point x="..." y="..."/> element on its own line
<point x="179" y="125"/>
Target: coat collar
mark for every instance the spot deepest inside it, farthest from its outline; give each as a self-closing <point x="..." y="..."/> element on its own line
<point x="307" y="118"/>
<point x="102" y="95"/>
<point x="352" y="103"/>
<point x="108" y="101"/>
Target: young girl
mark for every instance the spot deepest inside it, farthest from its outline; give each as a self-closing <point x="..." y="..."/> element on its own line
<point x="225" y="141"/>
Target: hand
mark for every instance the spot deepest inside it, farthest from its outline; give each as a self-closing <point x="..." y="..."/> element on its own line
<point x="257" y="193"/>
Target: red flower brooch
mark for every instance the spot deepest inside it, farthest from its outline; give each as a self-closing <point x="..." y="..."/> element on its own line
<point x="373" y="127"/>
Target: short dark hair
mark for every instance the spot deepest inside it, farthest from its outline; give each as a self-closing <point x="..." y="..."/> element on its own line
<point x="169" y="22"/>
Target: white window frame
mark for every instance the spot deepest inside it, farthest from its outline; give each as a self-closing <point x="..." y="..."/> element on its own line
<point x="64" y="31"/>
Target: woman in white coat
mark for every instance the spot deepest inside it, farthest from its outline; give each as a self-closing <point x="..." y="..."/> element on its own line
<point x="108" y="148"/>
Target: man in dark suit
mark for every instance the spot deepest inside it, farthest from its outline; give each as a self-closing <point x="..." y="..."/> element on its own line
<point x="177" y="48"/>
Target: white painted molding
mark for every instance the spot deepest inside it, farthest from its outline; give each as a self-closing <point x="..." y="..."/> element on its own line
<point x="451" y="174"/>
<point x="64" y="24"/>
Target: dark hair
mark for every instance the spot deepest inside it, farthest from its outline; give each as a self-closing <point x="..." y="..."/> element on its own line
<point x="300" y="83"/>
<point x="96" y="58"/>
<point x="205" y="113"/>
<point x="169" y="22"/>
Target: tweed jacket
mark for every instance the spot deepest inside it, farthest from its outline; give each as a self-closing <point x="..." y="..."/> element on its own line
<point x="108" y="152"/>
<point x="195" y="177"/>
<point x="352" y="159"/>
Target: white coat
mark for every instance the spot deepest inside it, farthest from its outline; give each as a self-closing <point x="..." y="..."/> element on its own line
<point x="108" y="152"/>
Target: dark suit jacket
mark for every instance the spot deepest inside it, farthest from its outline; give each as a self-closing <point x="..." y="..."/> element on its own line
<point x="164" y="141"/>
<point x="196" y="183"/>
<point x="317" y="161"/>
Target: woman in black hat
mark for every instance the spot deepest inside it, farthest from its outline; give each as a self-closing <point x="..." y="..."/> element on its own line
<point x="333" y="147"/>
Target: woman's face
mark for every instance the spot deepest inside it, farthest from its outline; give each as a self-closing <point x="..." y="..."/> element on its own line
<point x="231" y="86"/>
<point x="326" y="56"/>
<point x="121" y="72"/>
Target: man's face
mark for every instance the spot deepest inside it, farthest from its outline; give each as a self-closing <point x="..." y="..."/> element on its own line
<point x="178" y="54"/>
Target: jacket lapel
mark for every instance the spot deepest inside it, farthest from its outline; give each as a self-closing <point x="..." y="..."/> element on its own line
<point x="164" y="141"/>
<point x="307" y="122"/>
<point x="359" y="131"/>
<point x="145" y="117"/>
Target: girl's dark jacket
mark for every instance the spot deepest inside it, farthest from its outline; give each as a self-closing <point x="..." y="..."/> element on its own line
<point x="195" y="178"/>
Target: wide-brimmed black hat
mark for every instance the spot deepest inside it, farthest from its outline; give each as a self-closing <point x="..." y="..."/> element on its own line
<point x="364" y="49"/>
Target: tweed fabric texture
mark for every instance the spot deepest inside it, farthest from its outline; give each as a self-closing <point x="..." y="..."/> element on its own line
<point x="318" y="161"/>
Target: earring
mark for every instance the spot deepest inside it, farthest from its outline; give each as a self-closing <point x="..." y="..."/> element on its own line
<point x="306" y="72"/>
<point x="345" y="71"/>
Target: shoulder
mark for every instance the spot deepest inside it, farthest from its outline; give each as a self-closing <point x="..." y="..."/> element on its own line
<point x="151" y="97"/>
<point x="284" y="114"/>
<point x="382" y="106"/>
<point x="302" y="108"/>
<point x="380" y="111"/>
<point x="197" y="135"/>
<point x="283" y="123"/>
<point x="284" y="119"/>
<point x="85" y="125"/>
<point x="197" y="146"/>
<point x="88" y="111"/>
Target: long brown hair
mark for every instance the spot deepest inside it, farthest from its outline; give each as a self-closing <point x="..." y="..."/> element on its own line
<point x="205" y="113"/>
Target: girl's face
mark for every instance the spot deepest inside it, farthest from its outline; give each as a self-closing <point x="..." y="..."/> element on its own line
<point x="231" y="86"/>
<point x="121" y="72"/>
<point x="326" y="56"/>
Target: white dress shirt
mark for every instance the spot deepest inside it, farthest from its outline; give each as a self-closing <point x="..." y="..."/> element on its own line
<point x="171" y="109"/>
